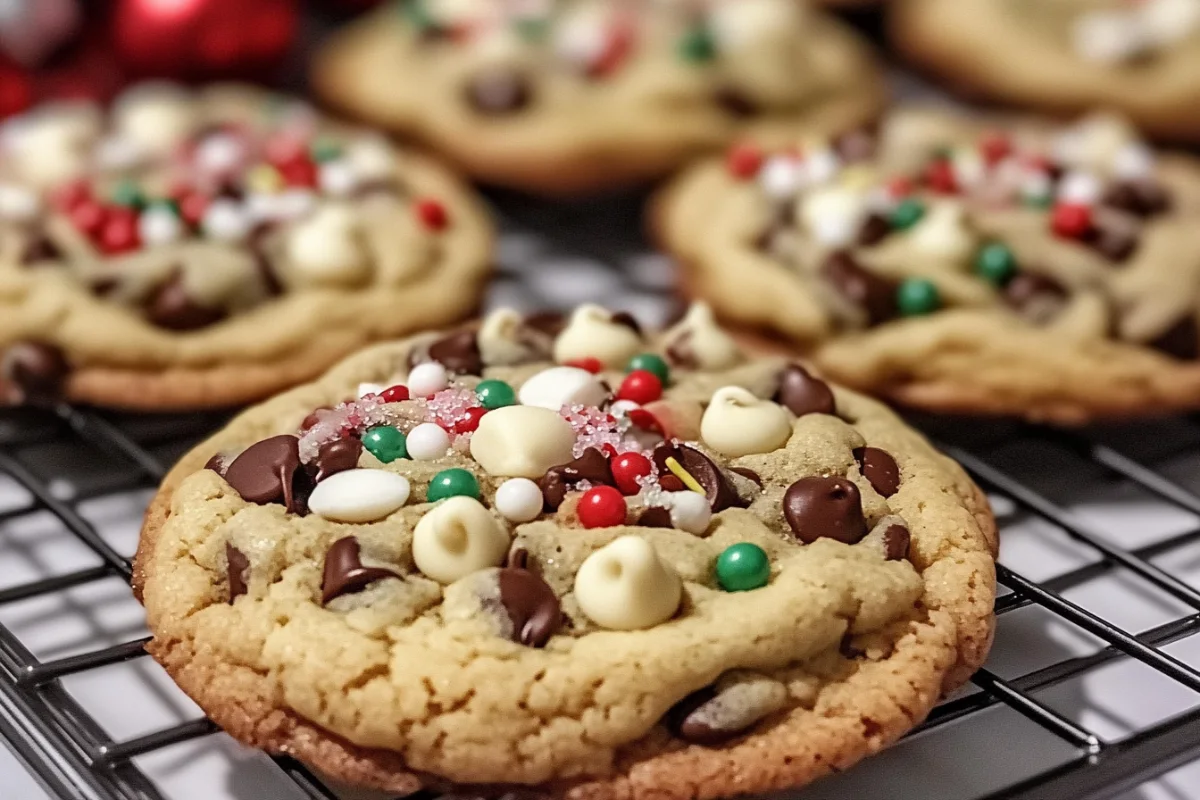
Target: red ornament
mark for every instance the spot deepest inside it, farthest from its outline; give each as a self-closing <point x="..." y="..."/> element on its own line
<point x="939" y="176"/>
<point x="590" y="364"/>
<point x="1071" y="220"/>
<point x="432" y="214"/>
<point x="470" y="422"/>
<point x="202" y="38"/>
<point x="995" y="147"/>
<point x="119" y="233"/>
<point x="640" y="386"/>
<point x="627" y="468"/>
<point x="743" y="160"/>
<point x="601" y="507"/>
<point x="394" y="394"/>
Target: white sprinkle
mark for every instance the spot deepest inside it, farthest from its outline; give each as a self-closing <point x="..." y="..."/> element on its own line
<point x="1079" y="187"/>
<point x="427" y="441"/>
<point x="426" y="379"/>
<point x="337" y="177"/>
<point x="519" y="500"/>
<point x="18" y="203"/>
<point x="157" y="226"/>
<point x="219" y="154"/>
<point x="690" y="511"/>
<point x="781" y="177"/>
<point x="1132" y="161"/>
<point x="225" y="220"/>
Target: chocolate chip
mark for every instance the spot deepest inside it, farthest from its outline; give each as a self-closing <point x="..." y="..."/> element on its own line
<point x="895" y="542"/>
<point x="269" y="472"/>
<point x="875" y="228"/>
<point x="736" y="103"/>
<point x="344" y="572"/>
<point x="217" y="463"/>
<point x="37" y="370"/>
<point x="821" y="507"/>
<point x="1144" y="197"/>
<point x="873" y="294"/>
<point x="1035" y="296"/>
<point x="551" y="323"/>
<point x="171" y="307"/>
<point x="628" y="320"/>
<point x="313" y="418"/>
<point x="458" y="353"/>
<point x="680" y="352"/>
<point x="532" y="606"/>
<point x="1181" y="340"/>
<point x="802" y="394"/>
<point x="1114" y="238"/>
<point x="337" y="456"/>
<point x="683" y="722"/>
<point x="238" y="570"/>
<point x="379" y="186"/>
<point x="40" y="248"/>
<point x="655" y="517"/>
<point x="592" y="466"/>
<point x="879" y="468"/>
<point x="856" y="145"/>
<point x="262" y="262"/>
<point x="498" y="91"/>
<point x="746" y="472"/>
<point x="518" y="557"/>
<point x="717" y="487"/>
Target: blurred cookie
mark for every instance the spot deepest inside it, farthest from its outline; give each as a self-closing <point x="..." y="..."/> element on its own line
<point x="576" y="95"/>
<point x="1020" y="268"/>
<point x="1139" y="57"/>
<point x="728" y="569"/>
<point x="184" y="250"/>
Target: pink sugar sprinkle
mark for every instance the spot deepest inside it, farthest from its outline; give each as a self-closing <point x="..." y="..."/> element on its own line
<point x="450" y="406"/>
<point x="354" y="416"/>
<point x="605" y="431"/>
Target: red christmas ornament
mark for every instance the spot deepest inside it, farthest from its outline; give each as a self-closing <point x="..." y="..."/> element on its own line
<point x="601" y="507"/>
<point x="640" y="386"/>
<point x="202" y="38"/>
<point x="395" y="394"/>
<point x="744" y="160"/>
<point x="469" y="423"/>
<point x="1071" y="220"/>
<point x="627" y="468"/>
<point x="432" y="214"/>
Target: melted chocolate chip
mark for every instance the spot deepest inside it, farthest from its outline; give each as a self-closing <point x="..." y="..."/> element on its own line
<point x="895" y="542"/>
<point x="681" y="353"/>
<point x="169" y="306"/>
<point x="337" y="456"/>
<point x="683" y="721"/>
<point x="217" y="464"/>
<point x="518" y="557"/>
<point x="873" y="294"/>
<point x="655" y="517"/>
<point x="1144" y="198"/>
<point x="238" y="570"/>
<point x="269" y="472"/>
<point x="592" y="466"/>
<point x="717" y="487"/>
<point x="1115" y="239"/>
<point x="344" y="572"/>
<point x="802" y="394"/>
<point x="458" y="353"/>
<point x="262" y="262"/>
<point x="40" y="248"/>
<point x="820" y="507"/>
<point x="875" y="228"/>
<point x="532" y="606"/>
<point x="736" y="103"/>
<point x="879" y="468"/>
<point x="37" y="370"/>
<point x="498" y="91"/>
<point x="1035" y="296"/>
<point x="628" y="320"/>
<point x="1181" y="340"/>
<point x="551" y="323"/>
<point x="746" y="472"/>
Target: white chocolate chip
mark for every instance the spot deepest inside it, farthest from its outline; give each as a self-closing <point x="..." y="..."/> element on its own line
<point x="591" y="333"/>
<point x="556" y="387"/>
<point x="427" y="441"/>
<point x="821" y="166"/>
<point x="736" y="423"/>
<point x="457" y="537"/>
<point x="519" y="500"/>
<point x="365" y="389"/>
<point x="833" y="215"/>
<point x="285" y="206"/>
<point x="505" y="339"/>
<point x="1107" y="37"/>
<point x="1133" y="161"/>
<point x="522" y="441"/>
<point x="53" y="144"/>
<point x="626" y="585"/>
<point x="943" y="234"/>
<point x="371" y="158"/>
<point x="326" y="250"/>
<point x="359" y="495"/>
<point x="158" y="226"/>
<point x="708" y="346"/>
<point x="155" y="115"/>
<point x="427" y="378"/>
<point x="18" y="203"/>
<point x="690" y="511"/>
<point x="1094" y="142"/>
<point x="1165" y="22"/>
<point x="220" y="154"/>
<point x="118" y="153"/>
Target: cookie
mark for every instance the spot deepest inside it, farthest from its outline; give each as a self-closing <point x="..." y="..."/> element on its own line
<point x="1138" y="57"/>
<point x="569" y="555"/>
<point x="185" y="250"/>
<point x="956" y="265"/>
<point x="566" y="96"/>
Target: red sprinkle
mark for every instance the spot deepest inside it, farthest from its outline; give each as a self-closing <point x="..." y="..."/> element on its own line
<point x="299" y="172"/>
<point x="617" y="45"/>
<point x="643" y="419"/>
<point x="601" y="507"/>
<point x="627" y="468"/>
<point x="432" y="214"/>
<point x="120" y="231"/>
<point x="640" y="386"/>
<point x="901" y="186"/>
<point x="1071" y="220"/>
<point x="591" y="364"/>
<point x="88" y="216"/>
<point x="939" y="176"/>
<point x="283" y="150"/>
<point x="995" y="147"/>
<point x="469" y="423"/>
<point x="671" y="483"/>
<point x="192" y="206"/>
<point x="744" y="160"/>
<point x="66" y="198"/>
<point x="394" y="394"/>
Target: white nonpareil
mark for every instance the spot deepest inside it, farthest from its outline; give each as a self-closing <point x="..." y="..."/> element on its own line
<point x="427" y="441"/>
<point x="519" y="500"/>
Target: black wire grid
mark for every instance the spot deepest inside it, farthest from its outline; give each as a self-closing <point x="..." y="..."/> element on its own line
<point x="72" y="756"/>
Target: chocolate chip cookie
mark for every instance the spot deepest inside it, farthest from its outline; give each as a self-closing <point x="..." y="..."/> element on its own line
<point x="576" y="95"/>
<point x="569" y="555"/>
<point x="183" y="250"/>
<point x="955" y="265"/>
<point x="1139" y="57"/>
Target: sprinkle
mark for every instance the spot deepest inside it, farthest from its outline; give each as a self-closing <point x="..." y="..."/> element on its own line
<point x="683" y="475"/>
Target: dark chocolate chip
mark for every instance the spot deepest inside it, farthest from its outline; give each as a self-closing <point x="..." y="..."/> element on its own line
<point x="683" y="722"/>
<point x="498" y="91"/>
<point x="655" y="517"/>
<point x="337" y="456"/>
<point x="344" y="572"/>
<point x="551" y="323"/>
<point x="746" y="472"/>
<point x="802" y="394"/>
<point x="1115" y="240"/>
<point x="238" y="570"/>
<point x="820" y="507"/>
<point x="37" y="370"/>
<point x="40" y="248"/>
<point x="879" y="468"/>
<point x="458" y="353"/>
<point x="269" y="472"/>
<point x="1144" y="197"/>
<point x="313" y="418"/>
<point x="169" y="306"/>
<point x="874" y="229"/>
<point x="532" y="606"/>
<point x="217" y="463"/>
<point x="379" y="186"/>
<point x="717" y="487"/>
<point x="1181" y="340"/>
<point x="895" y="542"/>
<point x="1034" y="295"/>
<point x="680" y="351"/>
<point x="628" y="320"/>
<point x="856" y="145"/>
<point x="592" y="466"/>
<point x="262" y="262"/>
<point x="873" y="294"/>
<point x="736" y="103"/>
<point x="518" y="557"/>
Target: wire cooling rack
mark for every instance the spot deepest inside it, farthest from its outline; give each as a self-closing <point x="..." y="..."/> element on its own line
<point x="1090" y="692"/>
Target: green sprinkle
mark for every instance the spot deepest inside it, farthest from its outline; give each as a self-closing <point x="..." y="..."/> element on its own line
<point x="126" y="193"/>
<point x="917" y="296"/>
<point x="385" y="443"/>
<point x="452" y="483"/>
<point x="907" y="213"/>
<point x="495" y="394"/>
<point x="742" y="567"/>
<point x="325" y="150"/>
<point x="996" y="263"/>
<point x="651" y="362"/>
<point x="697" y="45"/>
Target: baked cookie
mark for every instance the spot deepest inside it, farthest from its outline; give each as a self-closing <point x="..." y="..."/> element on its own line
<point x="185" y="250"/>
<point x="495" y="568"/>
<point x="956" y="265"/>
<point x="566" y="96"/>
<point x="1139" y="57"/>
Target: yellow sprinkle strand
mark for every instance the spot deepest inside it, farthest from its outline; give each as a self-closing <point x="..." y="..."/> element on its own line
<point x="683" y="475"/>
